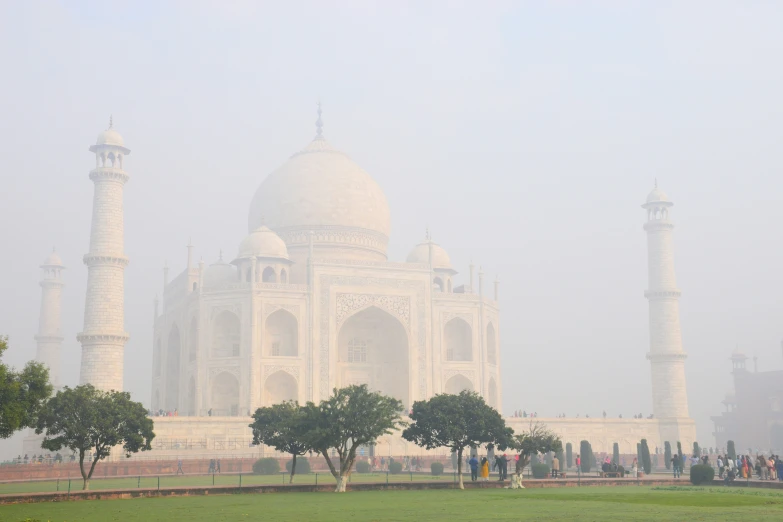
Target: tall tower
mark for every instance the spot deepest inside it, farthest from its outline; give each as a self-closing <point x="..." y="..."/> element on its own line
<point x="667" y="358"/>
<point x="103" y="338"/>
<point x="49" y="336"/>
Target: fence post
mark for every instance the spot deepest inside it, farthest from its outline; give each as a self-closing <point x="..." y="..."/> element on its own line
<point x="158" y="482"/>
<point x="58" y="484"/>
<point x="213" y="478"/>
<point x="240" y="481"/>
<point x="138" y="483"/>
<point x="316" y="479"/>
<point x="387" y="477"/>
<point x="69" y="488"/>
<point x="411" y="476"/>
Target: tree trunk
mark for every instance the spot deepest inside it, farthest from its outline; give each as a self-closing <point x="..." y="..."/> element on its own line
<point x="459" y="468"/>
<point x="293" y="469"/>
<point x="341" y="483"/>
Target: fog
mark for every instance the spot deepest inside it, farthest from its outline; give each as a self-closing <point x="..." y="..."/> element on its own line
<point x="524" y="135"/>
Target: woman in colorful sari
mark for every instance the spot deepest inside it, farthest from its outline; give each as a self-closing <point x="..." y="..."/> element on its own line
<point x="484" y="468"/>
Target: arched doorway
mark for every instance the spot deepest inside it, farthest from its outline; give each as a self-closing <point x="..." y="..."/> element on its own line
<point x="225" y="335"/>
<point x="281" y="335"/>
<point x="458" y="336"/>
<point x="268" y="275"/>
<point x="225" y="395"/>
<point x="280" y="387"/>
<point x="438" y="283"/>
<point x="493" y="393"/>
<point x="458" y="383"/>
<point x="373" y="350"/>
<point x="173" y="349"/>
<point x="491" y="346"/>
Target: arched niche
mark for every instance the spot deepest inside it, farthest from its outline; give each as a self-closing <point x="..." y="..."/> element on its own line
<point x="458" y="337"/>
<point x="438" y="284"/>
<point x="283" y="276"/>
<point x="158" y="360"/>
<point x="224" y="395"/>
<point x="458" y="383"/>
<point x="192" y="397"/>
<point x="193" y="340"/>
<point x="492" y="392"/>
<point x="280" y="387"/>
<point x="173" y="353"/>
<point x="492" y="350"/>
<point x="269" y="275"/>
<point x="225" y="335"/>
<point x="281" y="334"/>
<point x="373" y="349"/>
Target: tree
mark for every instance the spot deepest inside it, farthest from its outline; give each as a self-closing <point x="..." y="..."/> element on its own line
<point x="679" y="448"/>
<point x="457" y="422"/>
<point x="586" y="455"/>
<point x="84" y="419"/>
<point x="639" y="453"/>
<point x="616" y="453"/>
<point x="667" y="454"/>
<point x="569" y="454"/>
<point x="285" y="427"/>
<point x="351" y="417"/>
<point x="22" y="394"/>
<point x="537" y="439"/>
<point x="730" y="450"/>
<point x="696" y="449"/>
<point x="646" y="463"/>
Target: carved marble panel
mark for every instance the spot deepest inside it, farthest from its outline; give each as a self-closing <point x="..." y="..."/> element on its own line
<point x="292" y="370"/>
<point x="397" y="305"/>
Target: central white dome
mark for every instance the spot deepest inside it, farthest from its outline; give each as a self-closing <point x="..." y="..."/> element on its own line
<point x="321" y="190"/>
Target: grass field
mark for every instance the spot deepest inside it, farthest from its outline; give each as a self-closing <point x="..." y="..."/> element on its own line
<point x="167" y="481"/>
<point x="584" y="504"/>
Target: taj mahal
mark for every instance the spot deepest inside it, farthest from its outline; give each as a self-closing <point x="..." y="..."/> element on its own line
<point x="309" y="301"/>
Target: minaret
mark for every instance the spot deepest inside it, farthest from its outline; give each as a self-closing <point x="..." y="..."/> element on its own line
<point x="103" y="338"/>
<point x="667" y="358"/>
<point x="49" y="338"/>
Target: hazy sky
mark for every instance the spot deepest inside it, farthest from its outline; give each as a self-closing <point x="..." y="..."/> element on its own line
<point x="525" y="134"/>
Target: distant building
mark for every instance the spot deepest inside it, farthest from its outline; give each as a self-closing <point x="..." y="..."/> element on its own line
<point x="753" y="416"/>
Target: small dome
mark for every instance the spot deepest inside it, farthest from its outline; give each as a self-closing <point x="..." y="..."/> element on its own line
<point x="262" y="242"/>
<point x="53" y="260"/>
<point x="421" y="254"/>
<point x="657" y="196"/>
<point x="110" y="137"/>
<point x="219" y="274"/>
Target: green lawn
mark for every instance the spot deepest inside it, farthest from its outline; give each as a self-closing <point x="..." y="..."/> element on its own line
<point x="583" y="504"/>
<point x="167" y="481"/>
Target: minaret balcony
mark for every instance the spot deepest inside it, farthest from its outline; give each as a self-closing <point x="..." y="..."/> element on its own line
<point x="662" y="294"/>
<point x="109" y="173"/>
<point x="666" y="356"/>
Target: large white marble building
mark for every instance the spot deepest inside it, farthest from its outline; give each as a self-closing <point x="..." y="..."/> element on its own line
<point x="310" y="302"/>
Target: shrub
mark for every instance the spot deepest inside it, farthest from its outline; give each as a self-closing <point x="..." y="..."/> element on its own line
<point x="362" y="466"/>
<point x="696" y="450"/>
<point x="302" y="466"/>
<point x="266" y="466"/>
<point x="569" y="454"/>
<point x="540" y="470"/>
<point x="732" y="453"/>
<point x="679" y="449"/>
<point x="701" y="474"/>
<point x="586" y="455"/>
<point x="395" y="468"/>
<point x="436" y="468"/>
<point x="646" y="464"/>
<point x="667" y="455"/>
<point x="616" y="453"/>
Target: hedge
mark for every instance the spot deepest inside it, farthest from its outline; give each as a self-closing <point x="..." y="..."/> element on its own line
<point x="363" y="466"/>
<point x="302" y="465"/>
<point x="437" y="469"/>
<point x="702" y="474"/>
<point x="266" y="466"/>
<point x="667" y="455"/>
<point x="395" y="468"/>
<point x="540" y="471"/>
<point x="569" y="454"/>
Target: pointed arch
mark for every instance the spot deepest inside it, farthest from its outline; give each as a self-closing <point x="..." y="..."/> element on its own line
<point x="280" y="387"/>
<point x="438" y="282"/>
<point x="193" y="340"/>
<point x="373" y="349"/>
<point x="458" y="383"/>
<point x="191" y="409"/>
<point x="492" y="393"/>
<point x="173" y="360"/>
<point x="225" y="335"/>
<point x="281" y="334"/>
<point x="269" y="275"/>
<point x="458" y="337"/>
<point x="224" y="395"/>
<point x="492" y="350"/>
<point x="283" y="276"/>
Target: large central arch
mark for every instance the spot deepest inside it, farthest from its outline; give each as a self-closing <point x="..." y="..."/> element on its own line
<point x="459" y="340"/>
<point x="173" y="352"/>
<point x="373" y="349"/>
<point x="224" y="399"/>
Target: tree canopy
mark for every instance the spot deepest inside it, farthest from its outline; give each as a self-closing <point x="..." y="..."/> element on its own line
<point x="285" y="427"/>
<point x="85" y="418"/>
<point x="536" y="439"/>
<point x="351" y="417"/>
<point x="22" y="394"/>
<point x="457" y="422"/>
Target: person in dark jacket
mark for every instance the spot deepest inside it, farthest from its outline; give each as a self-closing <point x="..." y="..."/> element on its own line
<point x="473" y="463"/>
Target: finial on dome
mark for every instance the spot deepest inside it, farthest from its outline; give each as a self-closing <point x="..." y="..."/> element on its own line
<point x="319" y="125"/>
<point x="111" y="121"/>
<point x="220" y="256"/>
<point x="427" y="233"/>
<point x="656" y="182"/>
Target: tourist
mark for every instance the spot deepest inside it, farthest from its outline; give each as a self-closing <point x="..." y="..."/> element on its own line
<point x="720" y="467"/>
<point x="217" y="466"/>
<point x="676" y="462"/>
<point x="578" y="463"/>
<point x="779" y="468"/>
<point x="179" y="467"/>
<point x="635" y="468"/>
<point x="505" y="466"/>
<point x="484" y="469"/>
<point x="473" y="463"/>
<point x="555" y="466"/>
<point x="763" y="470"/>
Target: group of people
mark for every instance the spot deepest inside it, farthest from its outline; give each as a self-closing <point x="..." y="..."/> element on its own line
<point x="41" y="459"/>
<point x="480" y="468"/>
<point x="744" y="466"/>
<point x="523" y="413"/>
<point x="163" y="413"/>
